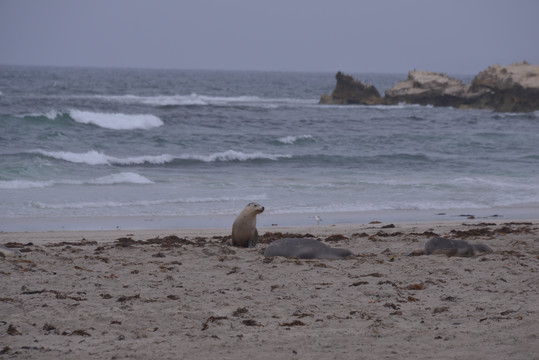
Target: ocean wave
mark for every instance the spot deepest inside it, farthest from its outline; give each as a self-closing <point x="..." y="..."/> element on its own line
<point x="120" y="178"/>
<point x="293" y="139"/>
<point x="51" y="115"/>
<point x="24" y="184"/>
<point x="94" y="157"/>
<point x="232" y="155"/>
<point x="525" y="115"/>
<point x="400" y="105"/>
<point x="378" y="206"/>
<point x="116" y="121"/>
<point x="145" y="203"/>
<point x="204" y="100"/>
<point x="499" y="184"/>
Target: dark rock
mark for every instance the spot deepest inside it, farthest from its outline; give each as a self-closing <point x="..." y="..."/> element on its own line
<point x="512" y="88"/>
<point x="351" y="91"/>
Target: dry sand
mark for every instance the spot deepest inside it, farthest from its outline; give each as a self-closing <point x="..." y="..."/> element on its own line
<point x="79" y="295"/>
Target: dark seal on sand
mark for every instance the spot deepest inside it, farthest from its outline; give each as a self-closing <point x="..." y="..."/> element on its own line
<point x="302" y="248"/>
<point x="450" y="247"/>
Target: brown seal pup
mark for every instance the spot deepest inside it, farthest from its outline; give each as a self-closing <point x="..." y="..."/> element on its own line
<point x="244" y="231"/>
<point x="450" y="247"/>
<point x="302" y="248"/>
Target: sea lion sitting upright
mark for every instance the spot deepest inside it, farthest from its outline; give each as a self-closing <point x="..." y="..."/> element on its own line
<point x="450" y="247"/>
<point x="244" y="231"/>
<point x="302" y="248"/>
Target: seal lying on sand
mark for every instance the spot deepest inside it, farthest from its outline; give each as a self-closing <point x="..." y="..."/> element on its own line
<point x="5" y="251"/>
<point x="451" y="247"/>
<point x="305" y="249"/>
<point x="244" y="231"/>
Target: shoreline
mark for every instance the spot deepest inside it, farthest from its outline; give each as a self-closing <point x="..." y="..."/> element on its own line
<point x="48" y="237"/>
<point x="264" y="220"/>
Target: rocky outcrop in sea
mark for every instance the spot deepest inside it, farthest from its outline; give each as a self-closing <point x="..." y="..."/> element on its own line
<point x="512" y="88"/>
<point x="351" y="91"/>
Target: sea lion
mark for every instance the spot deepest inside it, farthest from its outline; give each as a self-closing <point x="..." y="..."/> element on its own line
<point x="450" y="247"/>
<point x="244" y="231"/>
<point x="5" y="251"/>
<point x="302" y="248"/>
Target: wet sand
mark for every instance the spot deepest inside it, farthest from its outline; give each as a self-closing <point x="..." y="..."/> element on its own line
<point x="185" y="293"/>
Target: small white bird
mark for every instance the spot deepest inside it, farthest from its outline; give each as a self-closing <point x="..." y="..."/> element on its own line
<point x="318" y="219"/>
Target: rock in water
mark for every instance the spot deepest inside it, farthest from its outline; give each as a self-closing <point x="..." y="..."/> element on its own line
<point x="427" y="88"/>
<point x="512" y="88"/>
<point x="351" y="91"/>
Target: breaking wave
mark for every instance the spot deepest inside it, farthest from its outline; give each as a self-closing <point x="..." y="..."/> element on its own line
<point x="120" y="178"/>
<point x="145" y="203"/>
<point x="293" y="139"/>
<point x="205" y="100"/>
<point x="94" y="157"/>
<point x="114" y="121"/>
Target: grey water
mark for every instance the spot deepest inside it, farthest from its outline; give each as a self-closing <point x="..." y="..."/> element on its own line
<point x="128" y="143"/>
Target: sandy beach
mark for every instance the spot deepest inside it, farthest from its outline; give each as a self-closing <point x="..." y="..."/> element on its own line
<point x="187" y="294"/>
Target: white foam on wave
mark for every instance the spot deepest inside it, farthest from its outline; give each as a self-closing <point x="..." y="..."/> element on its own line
<point x="120" y="178"/>
<point x="497" y="184"/>
<point x="145" y="203"/>
<point x="503" y="115"/>
<point x="195" y="99"/>
<point x="204" y="100"/>
<point x="91" y="157"/>
<point x="292" y="139"/>
<point x="52" y="114"/>
<point x="374" y="206"/>
<point x="400" y="105"/>
<point x="116" y="121"/>
<point x="232" y="155"/>
<point x="94" y="157"/>
<point x="24" y="184"/>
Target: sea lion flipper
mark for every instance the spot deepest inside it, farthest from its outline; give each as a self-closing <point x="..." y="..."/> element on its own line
<point x="254" y="239"/>
<point x="417" y="252"/>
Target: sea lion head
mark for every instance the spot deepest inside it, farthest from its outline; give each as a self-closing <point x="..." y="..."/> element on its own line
<point x="481" y="249"/>
<point x="255" y="208"/>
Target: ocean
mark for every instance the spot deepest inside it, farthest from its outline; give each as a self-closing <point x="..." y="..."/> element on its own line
<point x="90" y="148"/>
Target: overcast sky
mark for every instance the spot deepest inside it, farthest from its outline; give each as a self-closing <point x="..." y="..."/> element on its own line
<point x="391" y="36"/>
